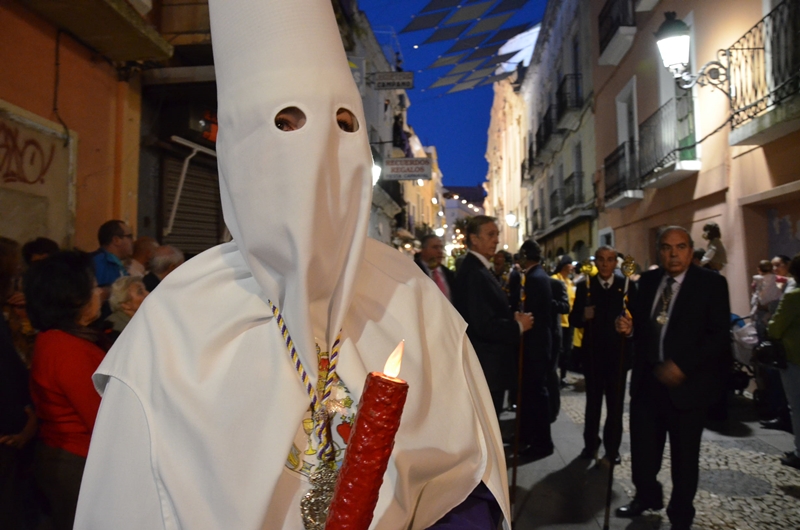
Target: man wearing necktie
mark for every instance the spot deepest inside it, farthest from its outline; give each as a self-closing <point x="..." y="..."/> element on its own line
<point x="680" y="326"/>
<point x="430" y="259"/>
<point x="596" y="309"/>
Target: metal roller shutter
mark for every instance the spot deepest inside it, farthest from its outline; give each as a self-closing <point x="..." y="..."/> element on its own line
<point x="198" y="222"/>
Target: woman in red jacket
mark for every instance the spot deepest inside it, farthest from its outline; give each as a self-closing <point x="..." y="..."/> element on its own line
<point x="62" y="300"/>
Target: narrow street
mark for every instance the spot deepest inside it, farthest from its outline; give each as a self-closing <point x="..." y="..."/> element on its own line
<point x="743" y="486"/>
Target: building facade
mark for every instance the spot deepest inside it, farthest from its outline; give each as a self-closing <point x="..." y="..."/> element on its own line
<point x="718" y="153"/>
<point x="560" y="166"/>
<point x="506" y="150"/>
<point x="70" y="102"/>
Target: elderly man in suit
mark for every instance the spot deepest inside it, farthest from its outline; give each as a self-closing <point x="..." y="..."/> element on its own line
<point x="680" y="325"/>
<point x="493" y="328"/>
<point x="429" y="259"/>
<point x="598" y="303"/>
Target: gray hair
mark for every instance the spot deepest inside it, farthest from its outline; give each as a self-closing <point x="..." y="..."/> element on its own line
<point x="120" y="291"/>
<point x="165" y="257"/>
<point x="673" y="228"/>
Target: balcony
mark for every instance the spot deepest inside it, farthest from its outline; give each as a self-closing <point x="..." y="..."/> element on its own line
<point x="621" y="177"/>
<point x="764" y="73"/>
<point x="617" y="24"/>
<point x="556" y="208"/>
<point x="573" y="191"/>
<point x="569" y="102"/>
<point x="549" y="137"/>
<point x="664" y="139"/>
<point x="112" y="27"/>
<point x="536" y="224"/>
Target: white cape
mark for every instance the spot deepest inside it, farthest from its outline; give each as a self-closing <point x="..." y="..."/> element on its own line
<point x="201" y="403"/>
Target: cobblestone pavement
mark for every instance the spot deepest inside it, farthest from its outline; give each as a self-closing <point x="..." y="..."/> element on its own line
<point x="743" y="486"/>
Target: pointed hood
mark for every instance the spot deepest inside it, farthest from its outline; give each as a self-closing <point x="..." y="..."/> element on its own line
<point x="296" y="202"/>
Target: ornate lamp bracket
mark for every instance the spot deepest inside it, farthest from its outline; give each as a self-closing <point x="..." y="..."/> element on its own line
<point x="713" y="73"/>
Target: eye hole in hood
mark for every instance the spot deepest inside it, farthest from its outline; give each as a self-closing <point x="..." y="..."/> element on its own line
<point x="346" y="120"/>
<point x="290" y="119"/>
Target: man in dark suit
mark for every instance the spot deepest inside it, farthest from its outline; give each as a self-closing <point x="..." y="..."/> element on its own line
<point x="429" y="259"/>
<point x="493" y="328"/>
<point x="595" y="310"/>
<point x="680" y="324"/>
<point x="537" y="362"/>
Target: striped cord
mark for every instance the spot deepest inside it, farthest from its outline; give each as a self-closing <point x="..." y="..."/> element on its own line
<point x="319" y="414"/>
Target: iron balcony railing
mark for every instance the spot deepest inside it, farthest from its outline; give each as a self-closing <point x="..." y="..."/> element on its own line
<point x="569" y="95"/>
<point x="573" y="190"/>
<point x="764" y="65"/>
<point x="541" y="140"/>
<point x="556" y="208"/>
<point x="615" y="13"/>
<point x="665" y="137"/>
<point x="621" y="170"/>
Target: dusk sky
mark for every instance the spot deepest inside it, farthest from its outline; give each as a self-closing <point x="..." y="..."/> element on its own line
<point x="455" y="123"/>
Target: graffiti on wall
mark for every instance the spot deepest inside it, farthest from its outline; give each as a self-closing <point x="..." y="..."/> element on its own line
<point x="23" y="159"/>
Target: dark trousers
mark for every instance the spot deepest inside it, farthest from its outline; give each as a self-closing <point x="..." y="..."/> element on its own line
<point x="565" y="357"/>
<point x="603" y="381"/>
<point x="653" y="416"/>
<point x="58" y="475"/>
<point x="535" y="405"/>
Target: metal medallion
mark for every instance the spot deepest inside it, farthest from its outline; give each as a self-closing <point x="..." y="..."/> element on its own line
<point x="314" y="504"/>
<point x="662" y="318"/>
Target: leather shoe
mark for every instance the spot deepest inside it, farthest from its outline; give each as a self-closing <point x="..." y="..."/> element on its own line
<point x="637" y="508"/>
<point x="779" y="424"/>
<point x="533" y="453"/>
<point x="588" y="454"/>
<point x="606" y="461"/>
<point x="791" y="460"/>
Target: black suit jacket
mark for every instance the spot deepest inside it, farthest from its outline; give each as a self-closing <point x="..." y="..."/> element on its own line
<point x="602" y="339"/>
<point x="539" y="302"/>
<point x="491" y="326"/>
<point x="697" y="338"/>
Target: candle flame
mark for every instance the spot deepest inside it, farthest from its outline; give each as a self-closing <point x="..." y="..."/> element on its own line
<point x="392" y="366"/>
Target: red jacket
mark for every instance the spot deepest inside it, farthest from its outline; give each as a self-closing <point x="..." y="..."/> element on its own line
<point x="62" y="391"/>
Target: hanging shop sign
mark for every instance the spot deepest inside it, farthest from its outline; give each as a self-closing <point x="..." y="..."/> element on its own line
<point x="406" y="169"/>
<point x="393" y="80"/>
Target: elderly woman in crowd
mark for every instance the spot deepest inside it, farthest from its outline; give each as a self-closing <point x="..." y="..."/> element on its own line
<point x="785" y="327"/>
<point x="127" y="294"/>
<point x="63" y="300"/>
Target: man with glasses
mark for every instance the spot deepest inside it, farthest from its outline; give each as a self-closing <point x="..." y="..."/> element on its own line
<point x="116" y="245"/>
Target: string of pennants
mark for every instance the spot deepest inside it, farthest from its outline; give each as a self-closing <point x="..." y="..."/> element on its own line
<point x="474" y="28"/>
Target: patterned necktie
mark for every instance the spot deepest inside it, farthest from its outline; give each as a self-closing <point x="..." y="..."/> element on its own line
<point x="661" y="310"/>
<point x="437" y="277"/>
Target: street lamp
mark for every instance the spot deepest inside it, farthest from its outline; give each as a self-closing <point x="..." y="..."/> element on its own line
<point x="674" y="43"/>
<point x="511" y="220"/>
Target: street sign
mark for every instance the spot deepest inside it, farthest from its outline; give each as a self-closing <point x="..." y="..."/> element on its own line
<point x="406" y="169"/>
<point x="393" y="80"/>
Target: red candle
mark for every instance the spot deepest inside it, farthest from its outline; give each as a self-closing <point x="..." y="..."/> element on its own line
<point x="369" y="448"/>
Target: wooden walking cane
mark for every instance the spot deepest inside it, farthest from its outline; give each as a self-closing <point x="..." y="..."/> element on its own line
<point x="519" y="401"/>
<point x="628" y="267"/>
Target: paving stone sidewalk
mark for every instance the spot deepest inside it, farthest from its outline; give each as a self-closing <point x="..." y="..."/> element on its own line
<point x="743" y="486"/>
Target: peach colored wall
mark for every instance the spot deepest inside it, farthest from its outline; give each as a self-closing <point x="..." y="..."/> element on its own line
<point x="87" y="102"/>
<point x="727" y="174"/>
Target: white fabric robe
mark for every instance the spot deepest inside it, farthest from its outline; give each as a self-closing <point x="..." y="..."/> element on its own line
<point x="201" y="403"/>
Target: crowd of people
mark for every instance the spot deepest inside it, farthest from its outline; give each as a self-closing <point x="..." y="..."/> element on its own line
<point x="64" y="309"/>
<point x="518" y="316"/>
